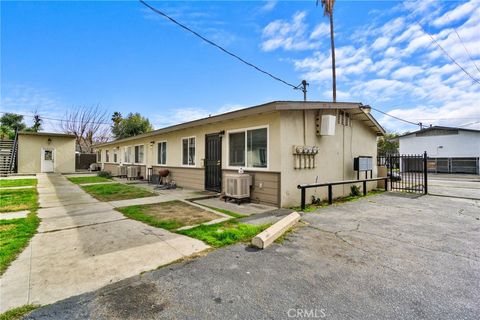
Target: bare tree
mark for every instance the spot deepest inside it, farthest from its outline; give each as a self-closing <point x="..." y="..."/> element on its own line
<point x="88" y="124"/>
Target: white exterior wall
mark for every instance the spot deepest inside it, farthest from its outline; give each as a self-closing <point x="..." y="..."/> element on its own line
<point x="465" y="144"/>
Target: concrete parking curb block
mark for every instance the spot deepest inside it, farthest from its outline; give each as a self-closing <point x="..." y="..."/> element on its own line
<point x="266" y="237"/>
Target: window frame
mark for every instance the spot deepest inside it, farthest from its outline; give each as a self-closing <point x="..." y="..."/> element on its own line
<point x="115" y="155"/>
<point x="166" y="153"/>
<point x="227" y="133"/>
<point x="99" y="156"/>
<point x="188" y="151"/>
<point x="144" y="155"/>
<point x="107" y="156"/>
<point x="129" y="154"/>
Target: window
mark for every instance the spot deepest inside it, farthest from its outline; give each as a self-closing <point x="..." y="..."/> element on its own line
<point x="115" y="155"/>
<point x="48" y="155"/>
<point x="237" y="149"/>
<point x="127" y="156"/>
<point x="188" y="151"/>
<point x="107" y="156"/>
<point x="139" y="154"/>
<point x="252" y="144"/>
<point x="162" y="152"/>
<point x="99" y="156"/>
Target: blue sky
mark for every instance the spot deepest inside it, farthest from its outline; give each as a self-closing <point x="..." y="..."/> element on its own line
<point x="119" y="55"/>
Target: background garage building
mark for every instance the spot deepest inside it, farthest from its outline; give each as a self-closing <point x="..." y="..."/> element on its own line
<point x="450" y="150"/>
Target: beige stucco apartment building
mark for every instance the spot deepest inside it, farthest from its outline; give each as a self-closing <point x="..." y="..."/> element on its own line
<point x="274" y="143"/>
<point x="45" y="152"/>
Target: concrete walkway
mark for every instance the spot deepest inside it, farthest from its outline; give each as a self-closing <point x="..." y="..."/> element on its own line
<point x="14" y="215"/>
<point x="83" y="244"/>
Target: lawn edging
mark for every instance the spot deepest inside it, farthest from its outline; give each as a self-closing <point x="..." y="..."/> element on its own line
<point x="15" y="236"/>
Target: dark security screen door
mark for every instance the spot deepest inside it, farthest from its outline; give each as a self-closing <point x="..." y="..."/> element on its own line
<point x="213" y="162"/>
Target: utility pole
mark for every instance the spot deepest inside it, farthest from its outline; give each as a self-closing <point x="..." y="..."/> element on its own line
<point x="303" y="86"/>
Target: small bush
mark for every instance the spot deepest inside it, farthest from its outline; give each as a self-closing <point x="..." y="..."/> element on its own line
<point x="316" y="200"/>
<point x="355" y="191"/>
<point x="105" y="174"/>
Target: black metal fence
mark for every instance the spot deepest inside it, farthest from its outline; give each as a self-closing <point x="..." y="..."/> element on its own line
<point x="407" y="172"/>
<point x="330" y="185"/>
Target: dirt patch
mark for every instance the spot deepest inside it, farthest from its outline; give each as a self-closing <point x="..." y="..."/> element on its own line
<point x="7" y="227"/>
<point x="125" y="303"/>
<point x="178" y="211"/>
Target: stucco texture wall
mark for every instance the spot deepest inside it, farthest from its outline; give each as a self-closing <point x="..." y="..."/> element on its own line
<point x="30" y="153"/>
<point x="334" y="161"/>
<point x="193" y="176"/>
<point x="174" y="142"/>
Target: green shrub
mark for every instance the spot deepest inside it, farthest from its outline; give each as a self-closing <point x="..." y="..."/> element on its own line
<point x="355" y="191"/>
<point x="316" y="200"/>
<point x="105" y="174"/>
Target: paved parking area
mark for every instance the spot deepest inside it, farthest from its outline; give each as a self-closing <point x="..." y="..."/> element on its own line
<point x="462" y="186"/>
<point x="390" y="256"/>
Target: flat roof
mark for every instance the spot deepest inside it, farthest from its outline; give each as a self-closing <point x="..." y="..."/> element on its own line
<point x="51" y="134"/>
<point x="437" y="128"/>
<point x="262" y="108"/>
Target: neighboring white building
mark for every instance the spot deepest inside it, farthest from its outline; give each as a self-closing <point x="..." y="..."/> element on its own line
<point x="450" y="150"/>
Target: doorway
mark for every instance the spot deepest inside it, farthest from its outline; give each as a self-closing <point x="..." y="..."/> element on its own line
<point x="48" y="160"/>
<point x="213" y="162"/>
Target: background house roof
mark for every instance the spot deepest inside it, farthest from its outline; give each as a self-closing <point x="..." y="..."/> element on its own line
<point x="437" y="128"/>
<point x="360" y="111"/>
<point x="51" y="134"/>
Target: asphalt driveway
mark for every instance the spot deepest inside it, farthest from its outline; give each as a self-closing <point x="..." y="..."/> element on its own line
<point x="390" y="256"/>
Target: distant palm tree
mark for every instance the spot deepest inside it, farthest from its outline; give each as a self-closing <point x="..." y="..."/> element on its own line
<point x="328" y="11"/>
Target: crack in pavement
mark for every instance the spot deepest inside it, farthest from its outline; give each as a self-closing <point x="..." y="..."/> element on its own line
<point x="82" y="226"/>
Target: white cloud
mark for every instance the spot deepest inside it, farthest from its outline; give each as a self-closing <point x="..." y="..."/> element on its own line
<point x="460" y="12"/>
<point x="407" y="72"/>
<point x="288" y="35"/>
<point x="26" y="100"/>
<point x="269" y="6"/>
<point x="180" y="115"/>
<point x="320" y="30"/>
<point x="394" y="63"/>
<point x="381" y="43"/>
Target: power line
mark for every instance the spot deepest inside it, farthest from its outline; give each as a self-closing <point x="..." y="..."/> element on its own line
<point x="468" y="124"/>
<point x="216" y="45"/>
<point x="400" y="119"/>
<point x="447" y="54"/>
<point x="463" y="44"/>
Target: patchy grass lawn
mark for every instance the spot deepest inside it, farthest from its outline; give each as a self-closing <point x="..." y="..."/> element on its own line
<point x="18" y="199"/>
<point x="88" y="179"/>
<point x="116" y="191"/>
<point x="14" y="236"/>
<point x="224" y="233"/>
<point x="169" y="215"/>
<point x="227" y="212"/>
<point x="17" y="182"/>
<point x="18" y="313"/>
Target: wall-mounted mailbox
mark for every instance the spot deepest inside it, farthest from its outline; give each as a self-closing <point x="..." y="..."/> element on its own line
<point x="363" y="163"/>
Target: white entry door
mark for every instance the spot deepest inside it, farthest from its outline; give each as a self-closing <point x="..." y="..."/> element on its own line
<point x="48" y="164"/>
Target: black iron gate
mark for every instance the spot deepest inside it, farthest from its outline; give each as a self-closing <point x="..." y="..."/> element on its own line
<point x="407" y="172"/>
<point x="213" y="162"/>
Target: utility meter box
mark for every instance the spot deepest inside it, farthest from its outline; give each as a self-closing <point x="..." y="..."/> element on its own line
<point x="327" y="127"/>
